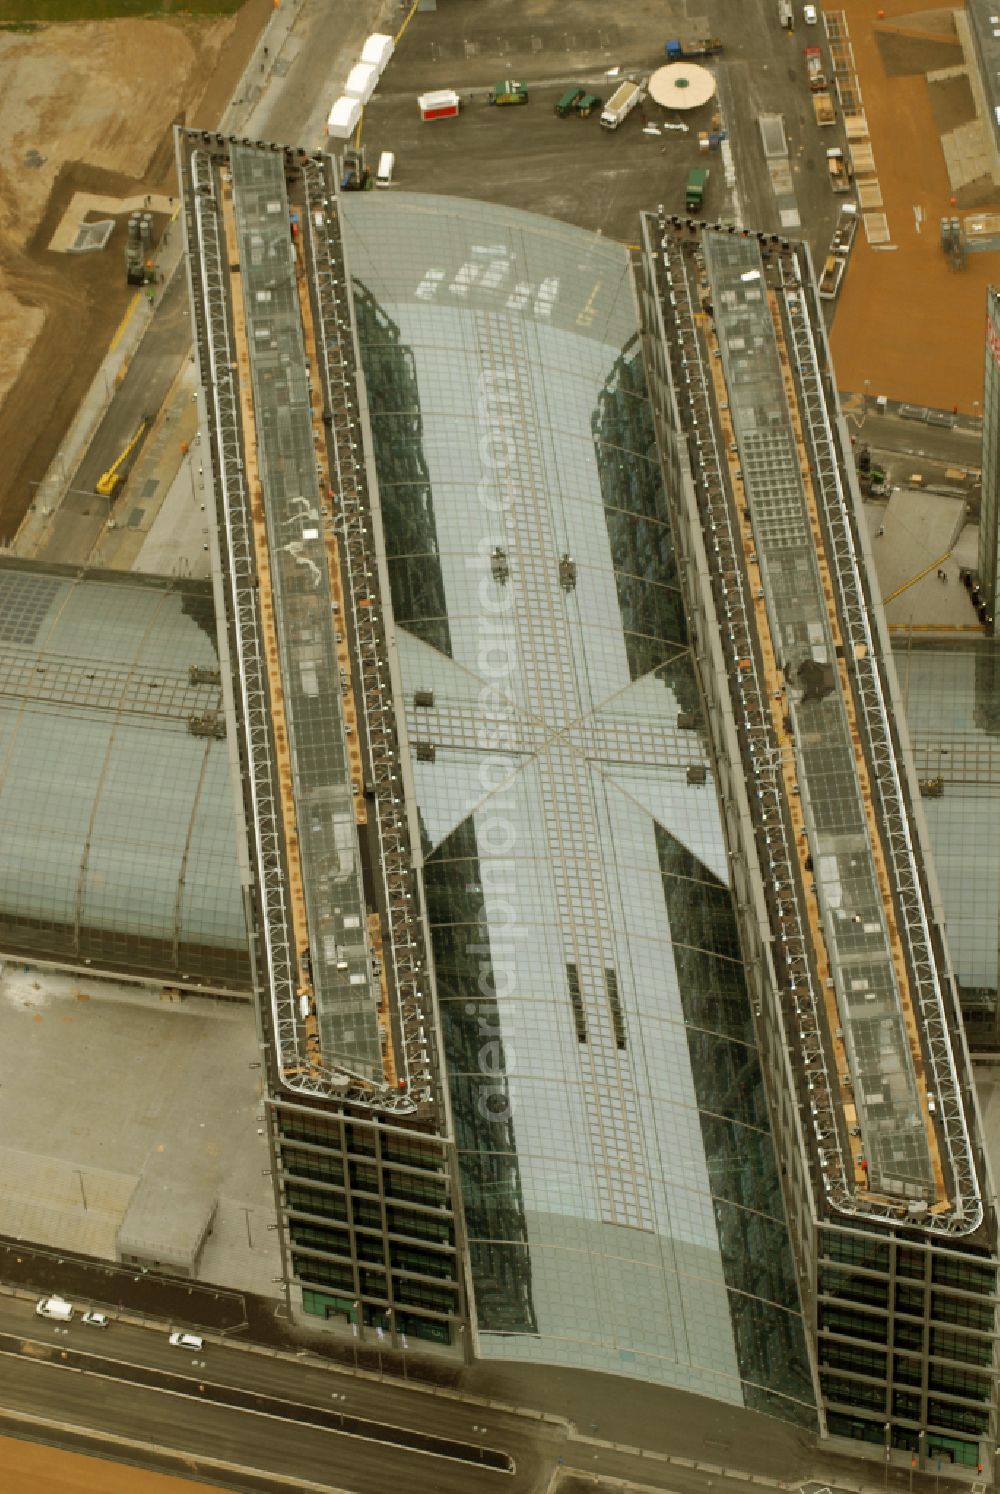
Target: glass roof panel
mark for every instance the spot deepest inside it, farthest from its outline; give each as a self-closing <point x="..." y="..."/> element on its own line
<point x="593" y="1004"/>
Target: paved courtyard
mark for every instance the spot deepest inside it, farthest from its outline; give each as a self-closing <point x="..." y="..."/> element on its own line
<point x="175" y="1086"/>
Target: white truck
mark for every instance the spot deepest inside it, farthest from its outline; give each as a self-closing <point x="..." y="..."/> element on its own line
<point x="621" y="103"/>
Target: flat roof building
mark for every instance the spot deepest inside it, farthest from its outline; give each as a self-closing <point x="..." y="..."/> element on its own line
<point x="598" y="960"/>
<point x="887" y="1187"/>
<point x="596" y="1147"/>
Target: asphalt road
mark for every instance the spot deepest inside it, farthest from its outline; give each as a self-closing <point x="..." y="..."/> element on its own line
<point x="260" y="1413"/>
<point x="155" y="365"/>
<point x="960" y="446"/>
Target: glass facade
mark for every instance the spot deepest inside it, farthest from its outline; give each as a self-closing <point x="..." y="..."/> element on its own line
<point x="116" y="812"/>
<point x="619" y="1183"/>
<point x="370" y="1229"/>
<point x="951" y="692"/>
<point x="907" y="1331"/>
<point x="989" y="514"/>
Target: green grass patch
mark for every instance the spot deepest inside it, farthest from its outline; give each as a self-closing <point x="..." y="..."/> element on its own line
<point x="18" y="15"/>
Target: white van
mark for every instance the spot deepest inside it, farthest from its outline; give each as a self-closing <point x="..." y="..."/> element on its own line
<point x="186" y="1340"/>
<point x="386" y="162"/>
<point x="55" y="1307"/>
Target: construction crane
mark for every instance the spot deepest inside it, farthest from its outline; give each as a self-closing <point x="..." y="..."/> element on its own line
<point x="110" y="481"/>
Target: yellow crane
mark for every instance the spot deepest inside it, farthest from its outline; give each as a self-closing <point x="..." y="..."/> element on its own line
<point x="109" y="482"/>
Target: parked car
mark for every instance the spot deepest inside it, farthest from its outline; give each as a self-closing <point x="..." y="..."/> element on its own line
<point x="187" y="1341"/>
<point x="96" y="1319"/>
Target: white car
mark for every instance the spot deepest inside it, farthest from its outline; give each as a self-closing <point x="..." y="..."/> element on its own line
<point x="96" y="1319"/>
<point x="187" y="1341"/>
<point x="810" y="15"/>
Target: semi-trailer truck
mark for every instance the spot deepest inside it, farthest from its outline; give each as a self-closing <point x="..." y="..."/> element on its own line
<point x="621" y="103"/>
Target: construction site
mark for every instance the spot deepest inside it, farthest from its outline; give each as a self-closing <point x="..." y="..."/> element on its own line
<point x="918" y="127"/>
<point x="72" y="161"/>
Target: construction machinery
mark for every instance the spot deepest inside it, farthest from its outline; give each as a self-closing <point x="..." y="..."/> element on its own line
<point x="355" y="176"/>
<point x="702" y="46"/>
<point x="109" y="483"/>
<point x="814" y="69"/>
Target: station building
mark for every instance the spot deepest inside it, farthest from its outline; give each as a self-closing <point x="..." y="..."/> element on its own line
<point x="605" y="1008"/>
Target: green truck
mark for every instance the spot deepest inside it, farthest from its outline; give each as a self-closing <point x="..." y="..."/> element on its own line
<point x="510" y="91"/>
<point x="697" y="177"/>
<point x="577" y="101"/>
<point x="567" y="103"/>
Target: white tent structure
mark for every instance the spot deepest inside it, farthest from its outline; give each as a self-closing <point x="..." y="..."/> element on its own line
<point x="361" y="82"/>
<point x="377" y="50"/>
<point x="681" y="85"/>
<point x="343" y="118"/>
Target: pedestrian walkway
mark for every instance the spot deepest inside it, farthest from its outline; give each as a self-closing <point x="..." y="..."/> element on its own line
<point x="919" y="543"/>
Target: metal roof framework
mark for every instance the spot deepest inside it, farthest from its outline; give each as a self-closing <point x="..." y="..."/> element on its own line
<point x="262" y="228"/>
<point x="765" y="753"/>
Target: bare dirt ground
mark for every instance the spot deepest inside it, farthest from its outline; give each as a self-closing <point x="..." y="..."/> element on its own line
<point x="85" y="107"/>
<point x="906" y="321"/>
<point x="29" y="1468"/>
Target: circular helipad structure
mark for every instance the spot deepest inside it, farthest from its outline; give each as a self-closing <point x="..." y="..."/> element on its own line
<point x="681" y="85"/>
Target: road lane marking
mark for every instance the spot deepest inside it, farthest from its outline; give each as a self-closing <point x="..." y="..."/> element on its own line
<point x="473" y="1451"/>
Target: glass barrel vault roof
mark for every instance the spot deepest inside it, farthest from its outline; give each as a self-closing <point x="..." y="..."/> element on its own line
<point x="116" y="819"/>
<point x="618" y="1175"/>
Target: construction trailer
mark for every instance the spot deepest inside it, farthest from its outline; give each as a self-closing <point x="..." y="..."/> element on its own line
<point x="444" y="104"/>
<point x="823" y="108"/>
<point x="839" y="169"/>
<point x="509" y="91"/>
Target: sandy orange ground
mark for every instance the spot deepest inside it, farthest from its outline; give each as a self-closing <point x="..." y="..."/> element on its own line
<point x="27" y="1468"/>
<point x="906" y="321"/>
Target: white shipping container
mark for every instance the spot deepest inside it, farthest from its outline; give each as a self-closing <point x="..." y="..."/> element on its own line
<point x="377" y="50"/>
<point x="361" y="82"/>
<point x="343" y="118"/>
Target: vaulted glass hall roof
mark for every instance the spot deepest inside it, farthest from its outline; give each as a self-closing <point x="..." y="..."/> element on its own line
<point x="116" y="811"/>
<point x="620" y="1189"/>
